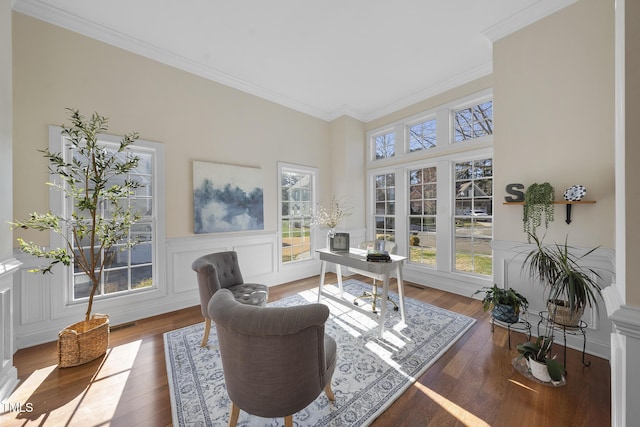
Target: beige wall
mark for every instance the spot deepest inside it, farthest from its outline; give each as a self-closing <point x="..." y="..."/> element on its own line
<point x="554" y="119"/>
<point x="632" y="154"/>
<point x="194" y="118"/>
<point x="5" y="129"/>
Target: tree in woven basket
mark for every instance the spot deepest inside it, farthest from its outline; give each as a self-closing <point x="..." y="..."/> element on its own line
<point x="96" y="181"/>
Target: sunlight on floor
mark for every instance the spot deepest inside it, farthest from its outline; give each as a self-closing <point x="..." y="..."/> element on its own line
<point x="461" y="414"/>
<point x="105" y="387"/>
<point x="519" y="384"/>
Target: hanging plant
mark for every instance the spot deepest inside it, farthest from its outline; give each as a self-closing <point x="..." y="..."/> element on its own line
<point x="538" y="204"/>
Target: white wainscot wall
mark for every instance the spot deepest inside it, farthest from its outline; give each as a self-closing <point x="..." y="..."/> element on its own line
<point x="41" y="310"/>
<point x="508" y="260"/>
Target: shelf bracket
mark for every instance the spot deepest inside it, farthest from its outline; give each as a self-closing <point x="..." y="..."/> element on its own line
<point x="568" y="220"/>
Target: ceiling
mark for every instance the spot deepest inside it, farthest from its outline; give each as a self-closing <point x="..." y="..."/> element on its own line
<point x="363" y="58"/>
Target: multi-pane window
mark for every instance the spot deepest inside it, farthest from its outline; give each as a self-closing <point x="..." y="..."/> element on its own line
<point x="423" y="191"/>
<point x="127" y="269"/>
<point x="385" y="145"/>
<point x="296" y="192"/>
<point x="473" y="216"/>
<point x="422" y="136"/>
<point x="385" y="205"/>
<point x="473" y="122"/>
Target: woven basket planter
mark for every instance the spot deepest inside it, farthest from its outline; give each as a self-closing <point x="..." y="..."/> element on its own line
<point x="84" y="341"/>
<point x="564" y="315"/>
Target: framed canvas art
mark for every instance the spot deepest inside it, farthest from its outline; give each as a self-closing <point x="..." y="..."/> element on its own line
<point x="227" y="198"/>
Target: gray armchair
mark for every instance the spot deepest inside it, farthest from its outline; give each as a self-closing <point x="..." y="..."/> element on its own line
<point x="220" y="270"/>
<point x="276" y="360"/>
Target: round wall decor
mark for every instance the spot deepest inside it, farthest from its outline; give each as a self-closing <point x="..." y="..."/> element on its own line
<point x="575" y="193"/>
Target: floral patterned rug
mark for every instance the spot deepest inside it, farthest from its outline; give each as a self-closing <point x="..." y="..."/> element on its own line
<point x="370" y="373"/>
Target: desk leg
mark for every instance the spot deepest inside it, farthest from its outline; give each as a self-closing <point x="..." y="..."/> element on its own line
<point x="339" y="274"/>
<point x="383" y="306"/>
<point x="400" y="292"/>
<point x="323" y="269"/>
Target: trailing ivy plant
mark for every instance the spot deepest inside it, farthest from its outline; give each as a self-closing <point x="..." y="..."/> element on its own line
<point x="96" y="180"/>
<point x="538" y="205"/>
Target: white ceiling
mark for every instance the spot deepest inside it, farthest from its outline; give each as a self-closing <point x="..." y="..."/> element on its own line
<point x="364" y="58"/>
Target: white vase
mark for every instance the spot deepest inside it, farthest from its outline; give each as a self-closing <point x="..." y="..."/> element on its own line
<point x="330" y="235"/>
<point x="539" y="370"/>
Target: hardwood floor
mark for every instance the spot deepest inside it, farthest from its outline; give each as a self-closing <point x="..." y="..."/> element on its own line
<point x="473" y="384"/>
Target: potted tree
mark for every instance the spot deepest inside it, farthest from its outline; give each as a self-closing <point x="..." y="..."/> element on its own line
<point x="95" y="182"/>
<point x="505" y="304"/>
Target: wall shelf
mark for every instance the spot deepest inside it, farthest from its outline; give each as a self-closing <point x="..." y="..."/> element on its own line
<point x="560" y="202"/>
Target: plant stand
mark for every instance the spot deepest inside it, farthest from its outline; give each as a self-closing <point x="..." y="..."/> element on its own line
<point x="571" y="330"/>
<point x="522" y="325"/>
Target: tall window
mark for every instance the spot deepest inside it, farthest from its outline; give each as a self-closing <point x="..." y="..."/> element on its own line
<point x="296" y="201"/>
<point x="127" y="271"/>
<point x="423" y="191"/>
<point x="441" y="210"/>
<point x="385" y="201"/>
<point x="473" y="216"/>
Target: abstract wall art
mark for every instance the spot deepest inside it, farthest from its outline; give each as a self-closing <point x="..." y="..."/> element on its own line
<point x="227" y="198"/>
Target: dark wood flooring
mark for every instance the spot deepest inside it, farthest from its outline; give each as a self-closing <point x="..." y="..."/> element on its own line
<point x="472" y="384"/>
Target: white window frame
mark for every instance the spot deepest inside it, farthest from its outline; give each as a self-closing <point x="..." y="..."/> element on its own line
<point x="443" y="156"/>
<point x="289" y="167"/>
<point x="62" y="301"/>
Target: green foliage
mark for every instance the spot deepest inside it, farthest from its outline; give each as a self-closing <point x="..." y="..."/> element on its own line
<point x="495" y="295"/>
<point x="93" y="180"/>
<point x="559" y="269"/>
<point x="538" y="203"/>
<point x="540" y="351"/>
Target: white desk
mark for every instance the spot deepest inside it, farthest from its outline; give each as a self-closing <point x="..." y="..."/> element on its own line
<point x="357" y="258"/>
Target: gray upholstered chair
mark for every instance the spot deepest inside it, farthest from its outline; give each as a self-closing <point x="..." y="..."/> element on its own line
<point x="276" y="360"/>
<point x="220" y="270"/>
<point x="374" y="295"/>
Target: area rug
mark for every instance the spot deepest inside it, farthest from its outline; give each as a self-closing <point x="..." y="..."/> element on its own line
<point x="371" y="372"/>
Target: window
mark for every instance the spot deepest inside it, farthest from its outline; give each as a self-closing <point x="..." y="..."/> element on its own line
<point x="473" y="216"/>
<point x="127" y="271"/>
<point x="434" y="197"/>
<point x="385" y="145"/>
<point x="422" y="136"/>
<point x="385" y="201"/>
<point x="296" y="201"/>
<point x="423" y="191"/>
<point x="473" y="122"/>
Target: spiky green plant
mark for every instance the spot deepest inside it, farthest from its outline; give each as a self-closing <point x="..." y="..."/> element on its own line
<point x="93" y="181"/>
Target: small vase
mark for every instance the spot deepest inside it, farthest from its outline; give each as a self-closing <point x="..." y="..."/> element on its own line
<point x="330" y="235"/>
<point x="539" y="370"/>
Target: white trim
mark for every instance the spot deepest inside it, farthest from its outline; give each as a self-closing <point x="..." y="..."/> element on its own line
<point x="528" y="16"/>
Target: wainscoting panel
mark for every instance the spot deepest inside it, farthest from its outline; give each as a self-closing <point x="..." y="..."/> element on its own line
<point x="35" y="291"/>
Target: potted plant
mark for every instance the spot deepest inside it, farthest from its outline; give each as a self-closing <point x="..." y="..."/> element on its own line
<point x="571" y="286"/>
<point x="94" y="182"/>
<point x="505" y="304"/>
<point x="538" y="204"/>
<point x="539" y="360"/>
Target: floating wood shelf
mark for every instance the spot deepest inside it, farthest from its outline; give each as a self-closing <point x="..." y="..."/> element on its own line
<point x="559" y="202"/>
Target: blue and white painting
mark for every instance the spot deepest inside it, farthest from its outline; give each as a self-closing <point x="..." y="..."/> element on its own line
<point x="227" y="198"/>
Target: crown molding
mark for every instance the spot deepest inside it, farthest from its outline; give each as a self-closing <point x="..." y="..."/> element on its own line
<point x="55" y="16"/>
<point x="533" y="13"/>
<point x="432" y="91"/>
<point x="63" y="19"/>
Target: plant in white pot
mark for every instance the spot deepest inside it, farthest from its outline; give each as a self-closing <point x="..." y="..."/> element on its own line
<point x="96" y="184"/>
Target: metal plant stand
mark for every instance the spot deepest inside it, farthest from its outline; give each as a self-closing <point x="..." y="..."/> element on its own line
<point x="571" y="330"/>
<point x="522" y="325"/>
